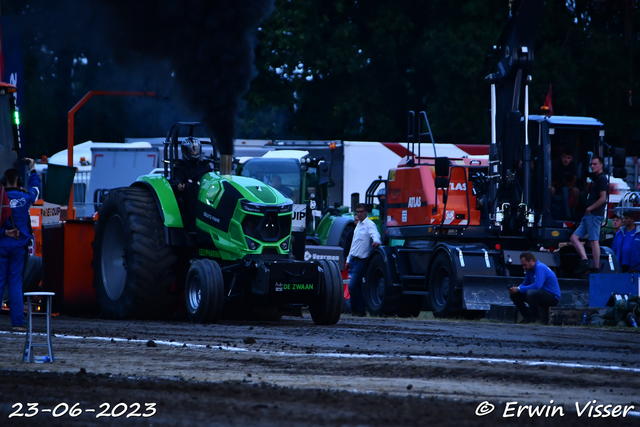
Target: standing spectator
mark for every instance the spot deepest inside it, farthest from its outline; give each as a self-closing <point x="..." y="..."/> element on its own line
<point x="365" y="238"/>
<point x="14" y="239"/>
<point x="540" y="290"/>
<point x="623" y="240"/>
<point x="592" y="220"/>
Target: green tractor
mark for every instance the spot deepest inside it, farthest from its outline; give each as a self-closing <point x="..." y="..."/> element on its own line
<point x="235" y="258"/>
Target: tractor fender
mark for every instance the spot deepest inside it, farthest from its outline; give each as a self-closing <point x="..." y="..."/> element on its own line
<point x="389" y="257"/>
<point x="337" y="227"/>
<point x="466" y="260"/>
<point x="165" y="198"/>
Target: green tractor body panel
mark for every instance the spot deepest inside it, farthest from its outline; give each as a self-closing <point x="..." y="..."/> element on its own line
<point x="302" y="179"/>
<point x="243" y="216"/>
<point x="231" y="211"/>
<point x="166" y="198"/>
<point x="324" y="227"/>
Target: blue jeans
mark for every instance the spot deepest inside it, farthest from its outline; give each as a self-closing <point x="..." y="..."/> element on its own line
<point x="358" y="267"/>
<point x="11" y="265"/>
<point x="589" y="226"/>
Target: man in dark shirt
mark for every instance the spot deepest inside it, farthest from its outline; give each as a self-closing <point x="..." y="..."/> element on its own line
<point x="187" y="174"/>
<point x="276" y="182"/>
<point x="592" y="220"/>
<point x="564" y="174"/>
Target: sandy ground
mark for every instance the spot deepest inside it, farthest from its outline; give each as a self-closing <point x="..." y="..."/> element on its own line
<point x="360" y="372"/>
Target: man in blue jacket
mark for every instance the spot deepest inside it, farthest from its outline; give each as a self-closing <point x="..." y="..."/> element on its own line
<point x="623" y="241"/>
<point x="540" y="289"/>
<point x="14" y="237"/>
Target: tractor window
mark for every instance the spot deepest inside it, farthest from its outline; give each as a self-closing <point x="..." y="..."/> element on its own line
<point x="281" y="174"/>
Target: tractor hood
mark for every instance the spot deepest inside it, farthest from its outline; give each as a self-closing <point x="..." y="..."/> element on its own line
<point x="253" y="190"/>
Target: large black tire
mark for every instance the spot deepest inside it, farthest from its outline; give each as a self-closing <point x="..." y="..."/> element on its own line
<point x="346" y="238"/>
<point x="384" y="299"/>
<point x="204" y="291"/>
<point x="133" y="268"/>
<point x="445" y="300"/>
<point x="381" y="297"/>
<point x="326" y="310"/>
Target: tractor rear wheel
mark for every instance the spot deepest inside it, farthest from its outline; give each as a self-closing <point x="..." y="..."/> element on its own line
<point x="133" y="268"/>
<point x="326" y="310"/>
<point x="204" y="291"/>
<point x="443" y="296"/>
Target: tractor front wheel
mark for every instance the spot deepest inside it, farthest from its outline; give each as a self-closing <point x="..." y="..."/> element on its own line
<point x="204" y="291"/>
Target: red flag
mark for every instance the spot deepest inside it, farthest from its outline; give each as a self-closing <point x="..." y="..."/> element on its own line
<point x="547" y="108"/>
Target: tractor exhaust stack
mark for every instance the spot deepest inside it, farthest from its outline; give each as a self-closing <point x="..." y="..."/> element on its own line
<point x="225" y="164"/>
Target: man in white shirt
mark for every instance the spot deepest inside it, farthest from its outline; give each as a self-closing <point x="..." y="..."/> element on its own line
<point x="365" y="238"/>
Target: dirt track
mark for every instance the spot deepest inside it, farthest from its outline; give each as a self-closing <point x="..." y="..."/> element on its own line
<point x="362" y="371"/>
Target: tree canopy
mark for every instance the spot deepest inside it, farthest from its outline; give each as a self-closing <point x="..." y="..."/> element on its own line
<point x="343" y="69"/>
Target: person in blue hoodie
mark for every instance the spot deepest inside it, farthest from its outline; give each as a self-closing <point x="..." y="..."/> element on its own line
<point x="623" y="241"/>
<point x="14" y="237"/>
<point x="540" y="289"/>
<point x="634" y="264"/>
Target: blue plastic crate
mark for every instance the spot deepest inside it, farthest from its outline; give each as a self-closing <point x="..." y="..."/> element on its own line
<point x="601" y="286"/>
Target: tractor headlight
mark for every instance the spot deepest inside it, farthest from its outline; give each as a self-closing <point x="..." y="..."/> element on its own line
<point x="285" y="208"/>
<point x="251" y="207"/>
<point x="284" y="245"/>
<point x="251" y="244"/>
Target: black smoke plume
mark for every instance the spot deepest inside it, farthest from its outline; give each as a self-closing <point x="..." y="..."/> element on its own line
<point x="208" y="44"/>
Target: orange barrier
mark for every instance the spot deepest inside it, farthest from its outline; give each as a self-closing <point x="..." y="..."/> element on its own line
<point x="67" y="255"/>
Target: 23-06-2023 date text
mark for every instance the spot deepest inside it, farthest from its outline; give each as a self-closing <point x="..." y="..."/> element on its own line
<point x="28" y="410"/>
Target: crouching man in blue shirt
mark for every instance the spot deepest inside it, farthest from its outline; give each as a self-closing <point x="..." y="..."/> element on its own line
<point x="540" y="290"/>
